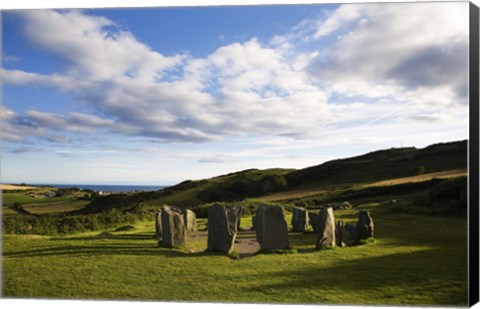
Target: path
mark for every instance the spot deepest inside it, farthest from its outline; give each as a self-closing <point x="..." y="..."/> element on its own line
<point x="245" y="243"/>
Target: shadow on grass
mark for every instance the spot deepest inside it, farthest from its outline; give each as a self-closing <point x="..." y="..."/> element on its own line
<point x="107" y="244"/>
<point x="410" y="273"/>
<point x="112" y="250"/>
<point x="106" y="235"/>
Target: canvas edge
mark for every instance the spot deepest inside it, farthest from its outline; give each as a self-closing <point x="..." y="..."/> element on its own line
<point x="473" y="152"/>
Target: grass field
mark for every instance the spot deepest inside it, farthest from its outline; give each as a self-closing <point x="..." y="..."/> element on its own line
<point x="415" y="260"/>
<point x="310" y="190"/>
<point x="55" y="207"/>
<point x="419" y="256"/>
<point x="32" y="200"/>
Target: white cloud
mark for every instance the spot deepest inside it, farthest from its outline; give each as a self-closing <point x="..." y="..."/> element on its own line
<point x="75" y="122"/>
<point x="15" y="128"/>
<point x="94" y="46"/>
<point x="385" y="55"/>
<point x="391" y="49"/>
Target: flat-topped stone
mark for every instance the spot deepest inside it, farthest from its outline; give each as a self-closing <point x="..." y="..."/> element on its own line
<point x="300" y="220"/>
<point x="314" y="220"/>
<point x="271" y="228"/>
<point x="222" y="229"/>
<point x="173" y="227"/>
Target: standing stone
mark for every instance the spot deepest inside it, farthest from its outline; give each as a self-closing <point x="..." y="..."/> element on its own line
<point x="158" y="225"/>
<point x="238" y="210"/>
<point x="254" y="218"/>
<point x="351" y="231"/>
<point x="173" y="227"/>
<point x="341" y="234"/>
<point x="190" y="219"/>
<point x="300" y="219"/>
<point x="222" y="229"/>
<point x="326" y="229"/>
<point x="364" y="227"/>
<point x="314" y="219"/>
<point x="271" y="228"/>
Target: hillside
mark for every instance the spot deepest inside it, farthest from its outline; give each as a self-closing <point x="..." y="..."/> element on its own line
<point x="372" y="167"/>
<point x="189" y="193"/>
<point x="383" y="164"/>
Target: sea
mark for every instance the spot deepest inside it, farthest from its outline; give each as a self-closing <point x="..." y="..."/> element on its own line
<point x="109" y="188"/>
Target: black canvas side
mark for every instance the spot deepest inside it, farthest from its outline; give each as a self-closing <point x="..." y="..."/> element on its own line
<point x="474" y="157"/>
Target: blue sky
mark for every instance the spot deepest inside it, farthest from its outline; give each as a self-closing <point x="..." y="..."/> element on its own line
<point x="157" y="96"/>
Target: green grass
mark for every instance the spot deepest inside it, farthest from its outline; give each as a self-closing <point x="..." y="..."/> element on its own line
<point x="31" y="201"/>
<point x="414" y="260"/>
<point x="55" y="207"/>
<point x="24" y="198"/>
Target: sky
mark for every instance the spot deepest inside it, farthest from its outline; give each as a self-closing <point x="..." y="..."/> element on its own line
<point x="160" y="95"/>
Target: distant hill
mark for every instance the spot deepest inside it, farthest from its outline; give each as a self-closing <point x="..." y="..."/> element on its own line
<point x="189" y="193"/>
<point x="375" y="166"/>
<point x="383" y="164"/>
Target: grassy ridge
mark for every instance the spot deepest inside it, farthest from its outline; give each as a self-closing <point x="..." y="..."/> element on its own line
<point x="384" y="164"/>
<point x="414" y="261"/>
<point x="375" y="167"/>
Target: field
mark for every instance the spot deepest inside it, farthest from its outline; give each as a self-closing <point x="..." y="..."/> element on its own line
<point x="415" y="260"/>
<point x="418" y="255"/>
<point x="36" y="200"/>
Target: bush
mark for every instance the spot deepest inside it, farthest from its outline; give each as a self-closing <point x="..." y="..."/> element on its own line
<point x="53" y="225"/>
<point x="418" y="170"/>
<point x="449" y="197"/>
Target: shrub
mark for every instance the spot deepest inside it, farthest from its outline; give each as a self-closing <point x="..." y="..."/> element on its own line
<point x="418" y="170"/>
<point x="54" y="225"/>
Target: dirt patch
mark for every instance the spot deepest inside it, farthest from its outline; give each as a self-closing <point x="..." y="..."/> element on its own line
<point x="245" y="243"/>
<point x="247" y="247"/>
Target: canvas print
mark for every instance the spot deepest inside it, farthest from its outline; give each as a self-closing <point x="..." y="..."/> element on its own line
<point x="293" y="154"/>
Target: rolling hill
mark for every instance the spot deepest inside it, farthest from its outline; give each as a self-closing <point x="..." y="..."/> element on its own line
<point x="372" y="167"/>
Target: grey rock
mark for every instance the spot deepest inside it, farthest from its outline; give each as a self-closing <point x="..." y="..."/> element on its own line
<point x="326" y="229"/>
<point x="190" y="219"/>
<point x="351" y="231"/>
<point x="345" y="205"/>
<point x="271" y="228"/>
<point x="158" y="225"/>
<point x="253" y="222"/>
<point x="222" y="229"/>
<point x="364" y="228"/>
<point x="314" y="219"/>
<point x="300" y="220"/>
<point x="238" y="210"/>
<point x="341" y="234"/>
<point x="173" y="227"/>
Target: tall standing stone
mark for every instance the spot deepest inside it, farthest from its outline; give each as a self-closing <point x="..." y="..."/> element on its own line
<point x="300" y="219"/>
<point x="271" y="228"/>
<point x="158" y="225"/>
<point x="238" y="210"/>
<point x="173" y="227"/>
<point x="341" y="234"/>
<point x="351" y="231"/>
<point x="222" y="229"/>
<point x="326" y="229"/>
<point x="190" y="219"/>
<point x="314" y="219"/>
<point x="364" y="227"/>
